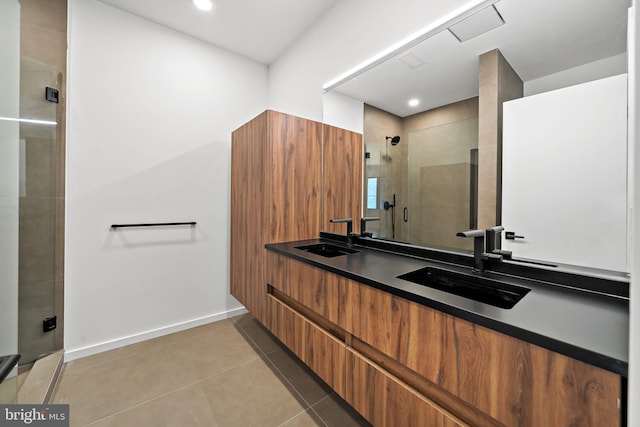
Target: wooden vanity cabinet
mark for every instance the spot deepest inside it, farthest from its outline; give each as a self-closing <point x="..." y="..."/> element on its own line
<point x="320" y="350"/>
<point x="512" y="381"/>
<point x="386" y="401"/>
<point x="407" y="364"/>
<point x="286" y="173"/>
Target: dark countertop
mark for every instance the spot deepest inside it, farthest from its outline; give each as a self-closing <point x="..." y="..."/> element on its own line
<point x="587" y="326"/>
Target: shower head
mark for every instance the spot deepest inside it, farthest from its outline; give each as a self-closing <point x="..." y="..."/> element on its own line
<point x="395" y="140"/>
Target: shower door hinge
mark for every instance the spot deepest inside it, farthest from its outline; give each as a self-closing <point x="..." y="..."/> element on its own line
<point x="49" y="324"/>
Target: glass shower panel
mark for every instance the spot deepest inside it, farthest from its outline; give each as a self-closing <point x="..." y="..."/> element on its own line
<point x="442" y="181"/>
<point x="9" y="187"/>
<point x="381" y="185"/>
<point x="40" y="192"/>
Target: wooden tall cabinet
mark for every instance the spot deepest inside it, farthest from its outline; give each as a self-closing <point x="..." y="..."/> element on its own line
<point x="286" y="177"/>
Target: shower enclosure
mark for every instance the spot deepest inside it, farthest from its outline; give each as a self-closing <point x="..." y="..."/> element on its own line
<point x="424" y="188"/>
<point x="32" y="153"/>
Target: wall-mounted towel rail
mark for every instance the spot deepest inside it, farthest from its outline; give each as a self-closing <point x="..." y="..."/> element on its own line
<point x="154" y="224"/>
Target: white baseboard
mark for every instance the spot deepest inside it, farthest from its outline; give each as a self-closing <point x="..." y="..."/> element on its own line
<point x="78" y="353"/>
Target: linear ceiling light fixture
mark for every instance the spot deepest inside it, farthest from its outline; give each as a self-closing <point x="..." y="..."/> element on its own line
<point x="405" y="44"/>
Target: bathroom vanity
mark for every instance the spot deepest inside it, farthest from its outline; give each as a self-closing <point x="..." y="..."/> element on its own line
<point x="406" y="354"/>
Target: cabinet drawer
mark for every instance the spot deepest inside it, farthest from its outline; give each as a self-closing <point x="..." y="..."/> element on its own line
<point x="512" y="381"/>
<point x="319" y="350"/>
<point x="318" y="290"/>
<point x="384" y="400"/>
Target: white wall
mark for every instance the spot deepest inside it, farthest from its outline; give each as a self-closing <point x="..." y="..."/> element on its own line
<point x="349" y="33"/>
<point x="579" y="133"/>
<point x="9" y="161"/>
<point x="607" y="67"/>
<point x="150" y="117"/>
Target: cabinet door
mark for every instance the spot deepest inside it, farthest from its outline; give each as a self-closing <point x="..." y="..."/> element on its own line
<point x="386" y="401"/>
<point x="247" y="255"/>
<point x="342" y="165"/>
<point x="294" y="180"/>
<point x="512" y="381"/>
<point x="323" y="353"/>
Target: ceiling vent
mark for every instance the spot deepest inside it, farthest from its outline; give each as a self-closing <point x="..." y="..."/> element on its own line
<point x="479" y="23"/>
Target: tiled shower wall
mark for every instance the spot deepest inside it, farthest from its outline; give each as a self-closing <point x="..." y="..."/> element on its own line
<point x="43" y="42"/>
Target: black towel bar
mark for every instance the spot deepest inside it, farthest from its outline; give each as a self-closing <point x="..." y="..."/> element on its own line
<point x="153" y="224"/>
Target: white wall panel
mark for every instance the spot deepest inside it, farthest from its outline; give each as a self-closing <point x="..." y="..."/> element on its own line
<point x="149" y="140"/>
<point x="565" y="174"/>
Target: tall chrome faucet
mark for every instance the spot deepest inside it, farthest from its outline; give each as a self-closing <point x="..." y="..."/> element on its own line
<point x="349" y="223"/>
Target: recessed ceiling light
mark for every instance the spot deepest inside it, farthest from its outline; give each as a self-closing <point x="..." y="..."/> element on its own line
<point x="203" y="4"/>
<point x="414" y="102"/>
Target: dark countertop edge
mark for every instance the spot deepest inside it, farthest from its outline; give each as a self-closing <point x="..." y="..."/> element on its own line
<point x="592" y="280"/>
<point x="584" y="355"/>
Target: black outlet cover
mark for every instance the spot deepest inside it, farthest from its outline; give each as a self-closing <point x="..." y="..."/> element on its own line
<point x="51" y="94"/>
<point x="49" y="324"/>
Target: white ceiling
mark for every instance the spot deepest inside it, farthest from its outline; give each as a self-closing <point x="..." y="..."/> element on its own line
<point x="539" y="37"/>
<point x="257" y="29"/>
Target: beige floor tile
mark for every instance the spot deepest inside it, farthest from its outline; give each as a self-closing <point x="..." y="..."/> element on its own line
<point x="306" y="419"/>
<point x="111" y="355"/>
<point x="335" y="412"/>
<point x="252" y="394"/>
<point x="262" y="338"/>
<point x="212" y="352"/>
<point x="185" y="407"/>
<point x="109" y="387"/>
<point x="154" y="344"/>
<point x="9" y="390"/>
<point x="304" y="381"/>
<point x="198" y="330"/>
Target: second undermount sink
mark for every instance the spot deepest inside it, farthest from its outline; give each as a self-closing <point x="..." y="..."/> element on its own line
<point x="327" y="250"/>
<point x="468" y="285"/>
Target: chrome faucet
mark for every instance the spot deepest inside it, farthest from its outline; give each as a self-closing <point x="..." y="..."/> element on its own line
<point x="349" y="223"/>
<point x="363" y="225"/>
<point x="480" y="255"/>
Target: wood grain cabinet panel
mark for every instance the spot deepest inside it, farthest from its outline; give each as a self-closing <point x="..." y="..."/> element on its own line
<point x="322" y="292"/>
<point x="342" y="151"/>
<point x="516" y="383"/>
<point x="386" y="401"/>
<point x="322" y="352"/>
<point x="248" y="169"/>
<point x="276" y="183"/>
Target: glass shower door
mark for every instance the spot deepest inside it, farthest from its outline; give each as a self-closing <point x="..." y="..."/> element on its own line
<point x="9" y="187"/>
<point x="41" y="209"/>
<point x="443" y="183"/>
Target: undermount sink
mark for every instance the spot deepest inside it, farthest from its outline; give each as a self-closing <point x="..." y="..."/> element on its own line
<point x="472" y="286"/>
<point x="327" y="250"/>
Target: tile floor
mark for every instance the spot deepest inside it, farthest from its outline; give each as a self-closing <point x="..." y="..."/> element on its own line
<point x="225" y="374"/>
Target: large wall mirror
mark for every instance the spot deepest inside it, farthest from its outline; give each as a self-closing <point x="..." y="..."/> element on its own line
<point x="482" y="124"/>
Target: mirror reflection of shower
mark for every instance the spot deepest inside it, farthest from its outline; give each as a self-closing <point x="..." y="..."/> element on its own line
<point x="395" y="140"/>
<point x="392" y="206"/>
